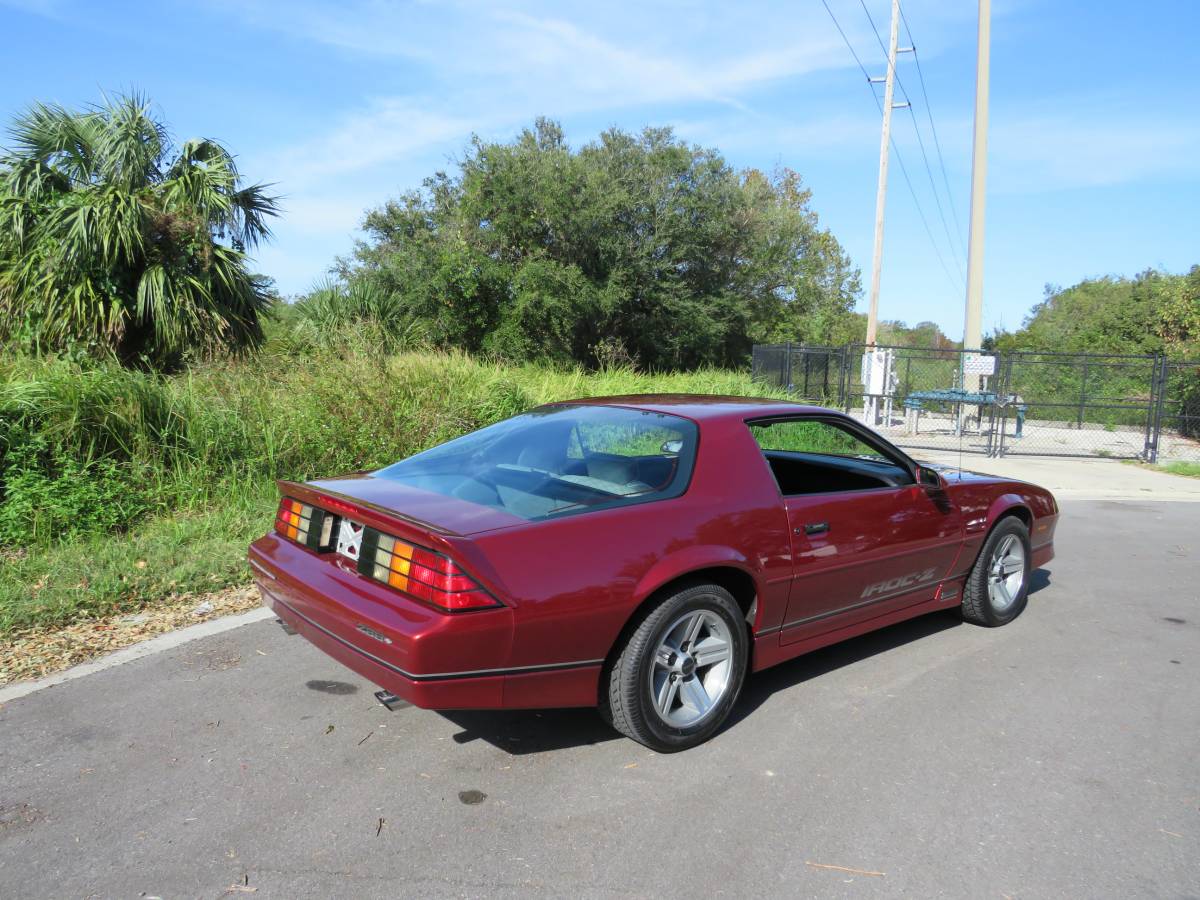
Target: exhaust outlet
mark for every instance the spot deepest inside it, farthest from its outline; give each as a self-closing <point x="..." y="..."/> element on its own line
<point x="390" y="701"/>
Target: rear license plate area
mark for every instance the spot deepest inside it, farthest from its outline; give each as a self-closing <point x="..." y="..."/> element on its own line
<point x="349" y="539"/>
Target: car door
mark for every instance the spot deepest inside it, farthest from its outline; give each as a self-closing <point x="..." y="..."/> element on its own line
<point x="865" y="538"/>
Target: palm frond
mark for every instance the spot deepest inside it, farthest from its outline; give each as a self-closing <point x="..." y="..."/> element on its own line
<point x="131" y="145"/>
<point x="108" y="237"/>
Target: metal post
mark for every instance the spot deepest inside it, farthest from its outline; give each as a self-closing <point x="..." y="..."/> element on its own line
<point x="1159" y="392"/>
<point x="787" y="379"/>
<point x="1004" y="383"/>
<point x="881" y="192"/>
<point x="1147" y="448"/>
<point x="1082" y="394"/>
<point x="846" y="379"/>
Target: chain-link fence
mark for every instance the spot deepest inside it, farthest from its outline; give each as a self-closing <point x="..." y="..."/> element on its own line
<point x="811" y="373"/>
<point x="1175" y="432"/>
<point x="1017" y="403"/>
<point x="1080" y="404"/>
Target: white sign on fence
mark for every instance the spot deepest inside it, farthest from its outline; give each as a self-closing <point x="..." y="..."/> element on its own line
<point x="977" y="364"/>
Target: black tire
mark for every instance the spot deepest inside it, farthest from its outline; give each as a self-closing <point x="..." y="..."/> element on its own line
<point x="978" y="605"/>
<point x="625" y="700"/>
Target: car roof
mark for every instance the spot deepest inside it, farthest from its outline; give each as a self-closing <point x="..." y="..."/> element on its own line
<point x="702" y="407"/>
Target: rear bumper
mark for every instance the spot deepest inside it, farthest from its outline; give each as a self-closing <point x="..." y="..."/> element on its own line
<point x="430" y="659"/>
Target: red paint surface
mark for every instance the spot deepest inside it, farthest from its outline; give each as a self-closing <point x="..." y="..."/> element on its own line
<point x="570" y="585"/>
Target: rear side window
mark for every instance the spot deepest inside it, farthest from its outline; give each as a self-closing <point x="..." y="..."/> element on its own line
<point x="811" y="436"/>
<point x="560" y="460"/>
<point x="813" y="456"/>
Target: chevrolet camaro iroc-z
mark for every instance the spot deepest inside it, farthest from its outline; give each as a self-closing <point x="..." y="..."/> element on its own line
<point x="639" y="554"/>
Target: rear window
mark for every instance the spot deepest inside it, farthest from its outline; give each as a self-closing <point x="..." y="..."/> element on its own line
<point x="560" y="460"/>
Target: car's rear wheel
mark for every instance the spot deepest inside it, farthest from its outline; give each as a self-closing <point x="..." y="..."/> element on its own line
<point x="998" y="586"/>
<point x="680" y="670"/>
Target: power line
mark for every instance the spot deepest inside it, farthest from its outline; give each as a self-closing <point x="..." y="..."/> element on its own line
<point x="846" y="40"/>
<point x="895" y="73"/>
<point x="899" y="159"/>
<point x="941" y="214"/>
<point x="933" y="128"/>
<point x="953" y="248"/>
<point x="921" y="213"/>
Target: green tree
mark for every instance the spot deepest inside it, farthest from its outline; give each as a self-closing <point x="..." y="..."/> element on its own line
<point x="1154" y="312"/>
<point x="633" y="247"/>
<point x="113" y="239"/>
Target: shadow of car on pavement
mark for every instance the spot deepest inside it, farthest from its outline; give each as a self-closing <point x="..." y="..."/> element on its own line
<point x="520" y="732"/>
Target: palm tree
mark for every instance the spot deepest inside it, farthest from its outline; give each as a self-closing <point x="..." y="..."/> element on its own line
<point x="112" y="238"/>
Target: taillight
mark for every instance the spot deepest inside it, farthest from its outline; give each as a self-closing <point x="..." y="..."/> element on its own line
<point x="421" y="573"/>
<point x="304" y="524"/>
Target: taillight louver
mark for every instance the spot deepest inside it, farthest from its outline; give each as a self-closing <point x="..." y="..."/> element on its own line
<point x="417" y="571"/>
<point x="304" y="524"/>
<point x="421" y="573"/>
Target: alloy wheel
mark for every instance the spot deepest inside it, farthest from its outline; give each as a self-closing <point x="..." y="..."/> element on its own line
<point x="1006" y="574"/>
<point x="692" y="668"/>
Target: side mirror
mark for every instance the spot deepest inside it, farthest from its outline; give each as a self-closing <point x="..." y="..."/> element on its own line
<point x="930" y="478"/>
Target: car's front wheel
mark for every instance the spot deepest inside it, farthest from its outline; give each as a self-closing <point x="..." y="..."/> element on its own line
<point x="998" y="586"/>
<point x="679" y="672"/>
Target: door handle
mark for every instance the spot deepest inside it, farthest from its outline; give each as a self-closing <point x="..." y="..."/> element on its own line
<point x="815" y="528"/>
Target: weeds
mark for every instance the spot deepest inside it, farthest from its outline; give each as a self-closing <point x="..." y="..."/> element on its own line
<point x="118" y="488"/>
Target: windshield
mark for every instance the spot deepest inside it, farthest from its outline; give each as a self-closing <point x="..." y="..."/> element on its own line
<point x="559" y="459"/>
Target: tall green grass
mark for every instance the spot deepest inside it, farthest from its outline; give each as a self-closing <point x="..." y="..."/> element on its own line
<point x="101" y="467"/>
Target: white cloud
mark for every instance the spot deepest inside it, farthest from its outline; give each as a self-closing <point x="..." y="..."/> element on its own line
<point x="491" y="69"/>
<point x="823" y="136"/>
<point x="384" y="131"/>
<point x="1045" y="152"/>
<point x="587" y="56"/>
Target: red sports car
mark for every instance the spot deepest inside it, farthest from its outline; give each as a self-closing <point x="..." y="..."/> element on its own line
<point x="641" y="554"/>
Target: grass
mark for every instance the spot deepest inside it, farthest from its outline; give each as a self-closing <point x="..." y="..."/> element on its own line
<point x="1179" y="467"/>
<point x="1175" y="467"/>
<point x="97" y="575"/>
<point x="122" y="488"/>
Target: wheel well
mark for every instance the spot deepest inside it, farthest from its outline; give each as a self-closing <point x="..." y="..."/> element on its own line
<point x="734" y="580"/>
<point x="1020" y="512"/>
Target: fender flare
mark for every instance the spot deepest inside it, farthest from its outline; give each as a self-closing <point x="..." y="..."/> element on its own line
<point x="691" y="559"/>
<point x="1006" y="503"/>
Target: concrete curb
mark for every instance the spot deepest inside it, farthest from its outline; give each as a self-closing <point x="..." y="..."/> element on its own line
<point x="136" y="651"/>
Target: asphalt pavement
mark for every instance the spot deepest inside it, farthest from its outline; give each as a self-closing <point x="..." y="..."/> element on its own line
<point x="1055" y="757"/>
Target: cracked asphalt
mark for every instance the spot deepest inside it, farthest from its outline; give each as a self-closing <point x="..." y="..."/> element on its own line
<point x="1056" y="757"/>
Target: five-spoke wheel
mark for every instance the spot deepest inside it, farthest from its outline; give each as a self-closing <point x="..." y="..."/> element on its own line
<point x="1006" y="574"/>
<point x="998" y="585"/>
<point x="680" y="670"/>
<point x="691" y="668"/>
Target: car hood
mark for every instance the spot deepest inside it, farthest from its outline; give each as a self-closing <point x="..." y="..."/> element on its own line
<point x="955" y="475"/>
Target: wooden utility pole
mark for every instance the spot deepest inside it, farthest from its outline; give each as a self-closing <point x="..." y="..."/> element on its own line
<point x="973" y="327"/>
<point x="881" y="196"/>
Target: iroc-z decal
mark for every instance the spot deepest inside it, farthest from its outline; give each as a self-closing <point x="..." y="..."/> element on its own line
<point x="895" y="584"/>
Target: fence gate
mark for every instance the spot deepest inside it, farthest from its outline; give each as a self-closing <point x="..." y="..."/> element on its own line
<point x="1174" y="434"/>
<point x="1079" y="404"/>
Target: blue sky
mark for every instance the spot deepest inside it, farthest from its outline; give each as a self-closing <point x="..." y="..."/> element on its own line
<point x="1095" y="140"/>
